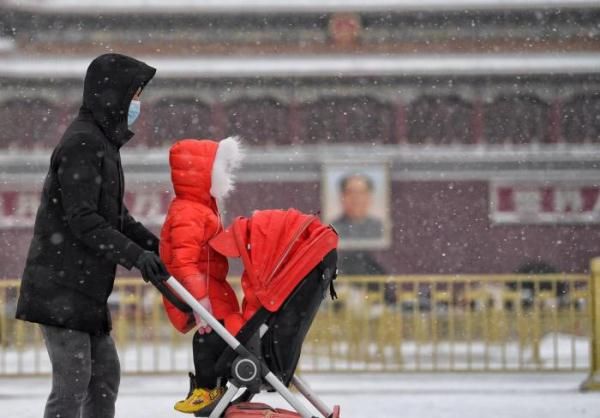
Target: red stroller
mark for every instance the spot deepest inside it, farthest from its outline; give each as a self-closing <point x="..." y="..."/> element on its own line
<point x="289" y="265"/>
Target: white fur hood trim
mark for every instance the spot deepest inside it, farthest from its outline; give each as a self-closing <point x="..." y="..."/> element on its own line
<point x="230" y="154"/>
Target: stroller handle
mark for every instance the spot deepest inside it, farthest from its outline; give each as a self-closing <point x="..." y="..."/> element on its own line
<point x="187" y="297"/>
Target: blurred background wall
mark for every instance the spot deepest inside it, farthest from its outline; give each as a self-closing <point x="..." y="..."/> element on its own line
<point x="483" y="115"/>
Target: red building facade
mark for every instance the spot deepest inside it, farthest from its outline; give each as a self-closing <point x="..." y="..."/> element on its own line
<point x="486" y="119"/>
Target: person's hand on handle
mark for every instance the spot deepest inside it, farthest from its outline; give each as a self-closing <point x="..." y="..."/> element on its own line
<point x="152" y="269"/>
<point x="203" y="327"/>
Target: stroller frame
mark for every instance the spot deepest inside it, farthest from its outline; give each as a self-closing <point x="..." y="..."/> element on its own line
<point x="247" y="370"/>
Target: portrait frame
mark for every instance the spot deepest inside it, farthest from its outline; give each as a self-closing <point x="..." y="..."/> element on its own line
<point x="332" y="174"/>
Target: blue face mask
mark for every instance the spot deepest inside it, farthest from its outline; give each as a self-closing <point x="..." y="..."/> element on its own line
<point x="134" y="112"/>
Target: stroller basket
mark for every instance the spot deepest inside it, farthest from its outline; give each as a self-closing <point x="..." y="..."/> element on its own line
<point x="252" y="360"/>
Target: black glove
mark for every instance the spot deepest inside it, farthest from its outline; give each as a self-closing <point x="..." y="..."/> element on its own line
<point x="153" y="270"/>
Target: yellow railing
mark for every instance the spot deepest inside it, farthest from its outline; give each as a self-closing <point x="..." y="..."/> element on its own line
<point x="593" y="380"/>
<point x="382" y="323"/>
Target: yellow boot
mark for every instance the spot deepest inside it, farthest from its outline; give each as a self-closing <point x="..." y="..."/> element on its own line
<point x="198" y="398"/>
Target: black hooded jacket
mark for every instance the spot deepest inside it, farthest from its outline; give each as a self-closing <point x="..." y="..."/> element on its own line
<point x="82" y="228"/>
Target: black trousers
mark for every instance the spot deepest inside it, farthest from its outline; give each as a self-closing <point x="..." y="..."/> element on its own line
<point x="207" y="350"/>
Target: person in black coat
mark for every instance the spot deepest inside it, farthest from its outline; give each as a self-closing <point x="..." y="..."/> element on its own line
<point x="82" y="231"/>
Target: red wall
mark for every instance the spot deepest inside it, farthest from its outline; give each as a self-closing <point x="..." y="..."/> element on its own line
<point x="439" y="227"/>
<point x="443" y="227"/>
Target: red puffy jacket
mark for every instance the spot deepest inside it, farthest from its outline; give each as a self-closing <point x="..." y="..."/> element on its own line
<point x="192" y="220"/>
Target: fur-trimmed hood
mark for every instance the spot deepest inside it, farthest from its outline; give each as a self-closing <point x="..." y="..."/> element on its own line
<point x="202" y="169"/>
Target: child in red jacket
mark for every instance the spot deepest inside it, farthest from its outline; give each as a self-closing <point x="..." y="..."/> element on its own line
<point x="201" y="172"/>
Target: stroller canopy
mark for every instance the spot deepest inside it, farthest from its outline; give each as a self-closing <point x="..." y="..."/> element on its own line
<point x="278" y="249"/>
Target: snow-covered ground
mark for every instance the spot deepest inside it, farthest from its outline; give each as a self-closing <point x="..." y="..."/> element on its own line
<point x="516" y="395"/>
